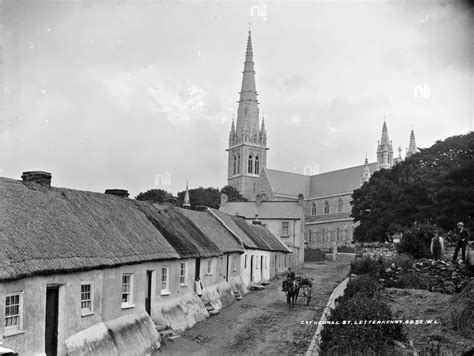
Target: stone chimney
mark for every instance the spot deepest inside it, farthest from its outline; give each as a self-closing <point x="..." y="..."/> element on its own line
<point x="118" y="192"/>
<point x="38" y="177"/>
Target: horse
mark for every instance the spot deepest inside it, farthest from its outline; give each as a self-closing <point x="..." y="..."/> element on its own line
<point x="293" y="288"/>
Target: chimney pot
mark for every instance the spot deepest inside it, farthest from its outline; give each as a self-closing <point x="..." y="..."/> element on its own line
<point x="38" y="177"/>
<point x="118" y="192"/>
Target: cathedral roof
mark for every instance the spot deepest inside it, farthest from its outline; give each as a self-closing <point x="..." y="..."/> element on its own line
<point x="340" y="181"/>
<point x="266" y="210"/>
<point x="288" y="183"/>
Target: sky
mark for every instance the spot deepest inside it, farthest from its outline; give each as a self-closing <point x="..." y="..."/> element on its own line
<point x="140" y="94"/>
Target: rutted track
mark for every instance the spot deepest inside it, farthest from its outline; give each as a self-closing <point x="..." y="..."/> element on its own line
<point x="261" y="322"/>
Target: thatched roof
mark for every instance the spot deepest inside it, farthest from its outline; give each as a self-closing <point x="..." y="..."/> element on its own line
<point x="271" y="240"/>
<point x="232" y="226"/>
<point x="263" y="238"/>
<point x="63" y="230"/>
<point x="179" y="231"/>
<point x="213" y="229"/>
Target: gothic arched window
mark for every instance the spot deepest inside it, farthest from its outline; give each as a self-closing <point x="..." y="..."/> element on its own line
<point x="235" y="165"/>
<point x="238" y="163"/>
<point x="313" y="208"/>
<point x="250" y="164"/>
<point x="339" y="205"/>
<point x="326" y="207"/>
<point x="257" y="165"/>
<point x="324" y="235"/>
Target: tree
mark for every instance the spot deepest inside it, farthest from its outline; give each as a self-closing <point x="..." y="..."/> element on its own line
<point x="155" y="195"/>
<point x="434" y="186"/>
<point x="210" y="197"/>
<point x="233" y="194"/>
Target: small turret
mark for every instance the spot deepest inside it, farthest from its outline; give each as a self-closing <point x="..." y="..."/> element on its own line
<point x="412" y="149"/>
<point x="186" y="202"/>
<point x="366" y="173"/>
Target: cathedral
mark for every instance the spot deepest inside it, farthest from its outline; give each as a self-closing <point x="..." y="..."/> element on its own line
<point x="324" y="198"/>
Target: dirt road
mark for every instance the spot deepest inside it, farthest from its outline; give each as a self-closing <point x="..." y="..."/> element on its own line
<point x="261" y="322"/>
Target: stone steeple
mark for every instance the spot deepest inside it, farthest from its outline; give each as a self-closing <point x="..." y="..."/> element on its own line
<point x="384" y="150"/>
<point x="412" y="146"/>
<point x="186" y="201"/>
<point x="247" y="139"/>
<point x="366" y="173"/>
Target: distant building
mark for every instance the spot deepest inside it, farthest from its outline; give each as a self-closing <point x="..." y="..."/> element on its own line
<point x="326" y="196"/>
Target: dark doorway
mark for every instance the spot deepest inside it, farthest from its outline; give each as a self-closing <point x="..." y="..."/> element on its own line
<point x="227" y="269"/>
<point x="251" y="269"/>
<point x="197" y="272"/>
<point x="149" y="281"/>
<point x="261" y="268"/>
<point x="51" y="325"/>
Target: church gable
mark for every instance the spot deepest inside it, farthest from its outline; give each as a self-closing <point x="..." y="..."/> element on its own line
<point x="263" y="187"/>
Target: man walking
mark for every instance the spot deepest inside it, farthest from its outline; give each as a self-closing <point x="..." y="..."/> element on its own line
<point x="462" y="237"/>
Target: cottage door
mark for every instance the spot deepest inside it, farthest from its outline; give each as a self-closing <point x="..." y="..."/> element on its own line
<point x="197" y="271"/>
<point x="51" y="327"/>
<point x="227" y="269"/>
<point x="149" y="281"/>
<point x="251" y="268"/>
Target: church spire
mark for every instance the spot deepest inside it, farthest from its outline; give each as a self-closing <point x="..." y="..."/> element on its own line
<point x="186" y="202"/>
<point x="412" y="146"/>
<point x="247" y="114"/>
<point x="384" y="150"/>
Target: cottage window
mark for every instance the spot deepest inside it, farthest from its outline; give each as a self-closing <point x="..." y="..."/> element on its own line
<point x="245" y="261"/>
<point x="182" y="274"/>
<point x="326" y="207"/>
<point x="339" y="206"/>
<point x="13" y="311"/>
<point x="127" y="290"/>
<point x="164" y="280"/>
<point x="86" y="298"/>
<point x="284" y="228"/>
<point x="209" y="266"/>
<point x="285" y="260"/>
<point x="313" y="209"/>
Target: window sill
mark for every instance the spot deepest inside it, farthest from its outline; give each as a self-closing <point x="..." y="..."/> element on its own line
<point x="8" y="333"/>
<point x="88" y="313"/>
<point x="209" y="274"/>
<point x="184" y="285"/>
<point x="286" y="236"/>
<point x="165" y="292"/>
<point x="127" y="306"/>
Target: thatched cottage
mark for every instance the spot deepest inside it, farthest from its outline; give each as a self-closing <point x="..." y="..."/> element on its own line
<point x="72" y="260"/>
<point x="84" y="272"/>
